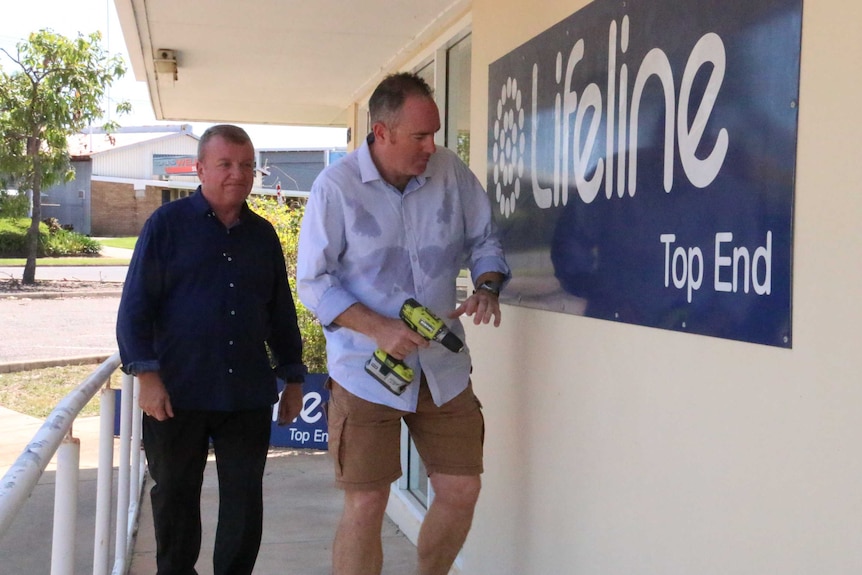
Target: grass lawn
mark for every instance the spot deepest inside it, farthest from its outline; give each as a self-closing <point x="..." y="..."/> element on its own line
<point x="37" y="392"/>
<point x="82" y="261"/>
<point x="126" y="243"/>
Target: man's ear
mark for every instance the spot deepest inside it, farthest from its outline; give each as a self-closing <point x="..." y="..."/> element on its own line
<point x="380" y="131"/>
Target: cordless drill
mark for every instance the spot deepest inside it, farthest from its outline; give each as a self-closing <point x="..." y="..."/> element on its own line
<point x="393" y="373"/>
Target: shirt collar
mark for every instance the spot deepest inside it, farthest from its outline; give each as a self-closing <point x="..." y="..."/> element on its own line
<point x="202" y="206"/>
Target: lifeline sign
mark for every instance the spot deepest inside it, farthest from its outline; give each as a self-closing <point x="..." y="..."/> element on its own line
<point x="641" y="161"/>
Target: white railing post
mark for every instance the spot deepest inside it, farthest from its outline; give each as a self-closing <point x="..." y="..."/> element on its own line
<point x="133" y="480"/>
<point x="123" y="482"/>
<point x="104" y="481"/>
<point x="137" y="434"/>
<point x="54" y="437"/>
<point x="65" y="507"/>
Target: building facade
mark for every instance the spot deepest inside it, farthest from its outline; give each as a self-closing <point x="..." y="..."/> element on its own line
<point x="630" y="447"/>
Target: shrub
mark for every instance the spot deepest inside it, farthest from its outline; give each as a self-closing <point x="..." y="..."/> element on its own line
<point x="63" y="242"/>
<point x="13" y="237"/>
<point x="286" y="220"/>
<point x="54" y="240"/>
<point x="14" y="205"/>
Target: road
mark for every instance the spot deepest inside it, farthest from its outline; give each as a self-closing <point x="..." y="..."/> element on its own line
<point x="75" y="325"/>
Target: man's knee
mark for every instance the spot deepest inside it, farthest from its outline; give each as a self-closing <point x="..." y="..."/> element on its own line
<point x="457" y="490"/>
<point x="366" y="504"/>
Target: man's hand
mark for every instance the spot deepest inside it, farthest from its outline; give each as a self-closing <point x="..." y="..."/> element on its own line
<point x="290" y="404"/>
<point x="397" y="339"/>
<point x="482" y="305"/>
<point x="391" y="334"/>
<point x="154" y="399"/>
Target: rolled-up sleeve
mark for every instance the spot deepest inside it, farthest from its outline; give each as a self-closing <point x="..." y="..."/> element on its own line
<point x="482" y="241"/>
<point x="321" y="241"/>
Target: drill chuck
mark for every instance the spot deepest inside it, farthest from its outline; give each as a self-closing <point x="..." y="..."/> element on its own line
<point x="452" y="342"/>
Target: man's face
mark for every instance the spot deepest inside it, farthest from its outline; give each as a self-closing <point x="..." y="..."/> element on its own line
<point x="409" y="142"/>
<point x="226" y="172"/>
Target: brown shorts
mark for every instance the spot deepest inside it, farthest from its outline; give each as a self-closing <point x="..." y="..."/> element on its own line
<point x="365" y="437"/>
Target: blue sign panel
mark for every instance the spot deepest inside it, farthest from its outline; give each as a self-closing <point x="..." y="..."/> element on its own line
<point x="641" y="158"/>
<point x="309" y="429"/>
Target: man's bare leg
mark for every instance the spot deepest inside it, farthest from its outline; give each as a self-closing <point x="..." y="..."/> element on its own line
<point x="447" y="522"/>
<point x="358" y="548"/>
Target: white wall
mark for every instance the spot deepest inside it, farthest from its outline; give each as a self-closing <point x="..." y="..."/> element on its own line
<point x="136" y="161"/>
<point x="619" y="449"/>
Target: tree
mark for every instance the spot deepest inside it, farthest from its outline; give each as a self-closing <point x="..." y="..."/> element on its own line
<point x="55" y="92"/>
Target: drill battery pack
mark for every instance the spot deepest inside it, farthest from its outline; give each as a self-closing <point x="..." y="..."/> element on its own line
<point x="393" y="374"/>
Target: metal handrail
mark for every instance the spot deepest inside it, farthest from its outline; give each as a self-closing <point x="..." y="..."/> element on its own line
<point x="54" y="437"/>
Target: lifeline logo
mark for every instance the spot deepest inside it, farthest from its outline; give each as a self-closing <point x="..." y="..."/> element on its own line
<point x="641" y="158"/>
<point x="586" y="106"/>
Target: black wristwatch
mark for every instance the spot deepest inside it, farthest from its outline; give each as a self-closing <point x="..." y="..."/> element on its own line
<point x="490" y="286"/>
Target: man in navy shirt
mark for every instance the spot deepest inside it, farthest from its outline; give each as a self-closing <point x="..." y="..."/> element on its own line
<point x="206" y="312"/>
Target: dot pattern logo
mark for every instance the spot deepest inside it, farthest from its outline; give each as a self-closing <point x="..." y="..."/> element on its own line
<point x="509" y="146"/>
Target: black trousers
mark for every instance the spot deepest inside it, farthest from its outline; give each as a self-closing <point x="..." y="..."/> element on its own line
<point x="177" y="452"/>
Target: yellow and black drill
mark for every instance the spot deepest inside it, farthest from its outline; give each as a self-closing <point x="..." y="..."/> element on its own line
<point x="393" y="373"/>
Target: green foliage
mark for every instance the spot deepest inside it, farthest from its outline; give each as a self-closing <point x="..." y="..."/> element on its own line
<point x="54" y="241"/>
<point x="463" y="146"/>
<point x="56" y="91"/>
<point x="60" y="242"/>
<point x="14" y="206"/>
<point x="286" y="220"/>
<point x="13" y="232"/>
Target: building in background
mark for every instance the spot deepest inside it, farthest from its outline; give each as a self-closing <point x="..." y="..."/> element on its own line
<point x="294" y="170"/>
<point x="122" y="177"/>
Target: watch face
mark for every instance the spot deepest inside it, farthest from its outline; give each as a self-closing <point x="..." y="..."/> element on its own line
<point x="491" y="286"/>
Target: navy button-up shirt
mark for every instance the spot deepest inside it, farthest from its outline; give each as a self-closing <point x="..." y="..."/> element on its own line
<point x="200" y="304"/>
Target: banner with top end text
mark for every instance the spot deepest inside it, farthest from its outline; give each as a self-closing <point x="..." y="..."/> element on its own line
<point x="641" y="163"/>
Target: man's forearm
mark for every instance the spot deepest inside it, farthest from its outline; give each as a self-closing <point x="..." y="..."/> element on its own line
<point x="362" y="319"/>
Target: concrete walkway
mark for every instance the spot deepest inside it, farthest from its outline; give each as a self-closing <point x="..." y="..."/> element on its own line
<point x="302" y="506"/>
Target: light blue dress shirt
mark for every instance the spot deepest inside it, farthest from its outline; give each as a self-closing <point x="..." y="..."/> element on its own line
<point x="362" y="240"/>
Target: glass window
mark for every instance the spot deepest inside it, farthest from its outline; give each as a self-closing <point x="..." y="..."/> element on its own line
<point x="426" y="72"/>
<point x="458" y="98"/>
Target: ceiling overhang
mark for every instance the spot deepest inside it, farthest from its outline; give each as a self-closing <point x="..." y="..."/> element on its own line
<point x="288" y="62"/>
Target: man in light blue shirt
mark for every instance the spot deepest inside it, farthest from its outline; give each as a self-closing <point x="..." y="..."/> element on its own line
<point x="397" y="219"/>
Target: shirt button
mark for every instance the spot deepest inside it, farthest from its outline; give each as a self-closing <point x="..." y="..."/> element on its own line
<point x="230" y="259"/>
<point x="232" y="312"/>
<point x="230" y="342"/>
<point x="231" y="284"/>
<point x="230" y="370"/>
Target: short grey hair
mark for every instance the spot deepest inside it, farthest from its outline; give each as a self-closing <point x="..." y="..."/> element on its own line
<point x="229" y="132"/>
